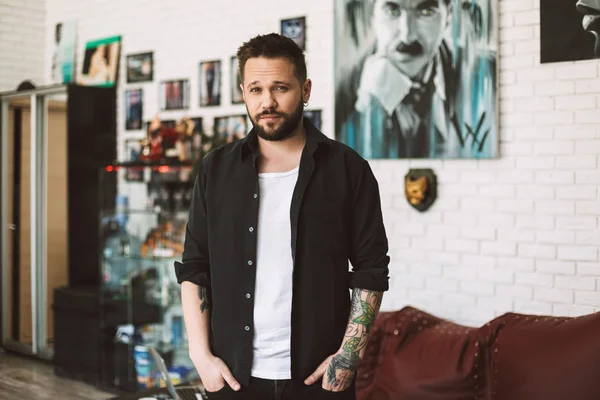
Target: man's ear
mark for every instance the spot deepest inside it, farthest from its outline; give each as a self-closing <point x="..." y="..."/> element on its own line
<point x="243" y="92"/>
<point x="306" y="90"/>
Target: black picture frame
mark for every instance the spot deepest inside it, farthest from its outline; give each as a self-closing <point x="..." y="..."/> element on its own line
<point x="295" y="29"/>
<point x="135" y="67"/>
<point x="209" y="83"/>
<point x="174" y="94"/>
<point x="571" y="42"/>
<point x="133" y="149"/>
<point x="229" y="128"/>
<point x="134" y="109"/>
<point x="236" y="80"/>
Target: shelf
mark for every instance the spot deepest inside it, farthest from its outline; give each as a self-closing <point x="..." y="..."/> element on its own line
<point x="143" y="259"/>
<point x="147" y="211"/>
<point x="155" y="166"/>
<point x="143" y="224"/>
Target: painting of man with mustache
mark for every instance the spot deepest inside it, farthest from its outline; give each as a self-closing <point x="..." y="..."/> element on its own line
<point x="416" y="78"/>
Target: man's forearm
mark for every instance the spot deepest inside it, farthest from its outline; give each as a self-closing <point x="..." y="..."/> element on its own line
<point x="196" y="304"/>
<point x="364" y="308"/>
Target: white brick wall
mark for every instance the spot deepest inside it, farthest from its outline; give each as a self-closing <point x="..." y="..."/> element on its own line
<point x="520" y="233"/>
<point x="22" y="38"/>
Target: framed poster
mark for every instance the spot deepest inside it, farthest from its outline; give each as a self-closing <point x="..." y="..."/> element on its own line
<point x="133" y="109"/>
<point x="210" y="83"/>
<point x="433" y="95"/>
<point x="101" y="62"/>
<point x="236" y="81"/>
<point x="133" y="150"/>
<point x="174" y="95"/>
<point x="295" y="29"/>
<point x="577" y="37"/>
<point x="63" y="58"/>
<point x="229" y="128"/>
<point x="140" y="67"/>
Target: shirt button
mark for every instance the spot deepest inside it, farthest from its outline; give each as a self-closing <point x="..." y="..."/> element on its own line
<point x="248" y="295"/>
<point x="249" y="262"/>
<point x="251" y="229"/>
<point x="247" y="328"/>
<point x="255" y="195"/>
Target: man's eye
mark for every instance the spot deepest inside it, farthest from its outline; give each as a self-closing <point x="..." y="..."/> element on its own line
<point x="253" y="90"/>
<point x="391" y="9"/>
<point x="427" y="12"/>
<point x="280" y="88"/>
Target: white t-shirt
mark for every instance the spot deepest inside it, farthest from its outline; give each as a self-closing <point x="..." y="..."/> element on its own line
<point x="274" y="270"/>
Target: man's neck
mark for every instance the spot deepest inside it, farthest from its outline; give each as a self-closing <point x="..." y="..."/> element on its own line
<point x="283" y="155"/>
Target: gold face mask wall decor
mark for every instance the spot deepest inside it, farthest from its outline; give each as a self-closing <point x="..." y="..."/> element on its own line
<point x="420" y="188"/>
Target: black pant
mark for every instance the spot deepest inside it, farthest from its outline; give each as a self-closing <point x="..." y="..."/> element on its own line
<point x="266" y="389"/>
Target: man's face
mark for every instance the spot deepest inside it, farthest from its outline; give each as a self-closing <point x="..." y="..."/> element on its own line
<point x="410" y="32"/>
<point x="591" y="20"/>
<point x="274" y="97"/>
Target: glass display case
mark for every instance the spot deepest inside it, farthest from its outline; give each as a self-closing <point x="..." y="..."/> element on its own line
<point x="143" y="228"/>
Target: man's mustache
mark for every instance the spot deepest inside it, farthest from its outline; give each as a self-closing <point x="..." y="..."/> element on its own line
<point x="269" y="112"/>
<point x="413" y="48"/>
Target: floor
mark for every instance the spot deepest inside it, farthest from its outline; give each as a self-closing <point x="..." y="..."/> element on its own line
<point x="26" y="378"/>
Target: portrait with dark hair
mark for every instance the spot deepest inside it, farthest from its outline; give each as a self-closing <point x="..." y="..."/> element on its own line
<point x="295" y="29"/>
<point x="417" y="78"/>
<point x="210" y="83"/>
<point x="133" y="109"/>
<point x="174" y="95"/>
<point x="236" y="81"/>
<point x="569" y="30"/>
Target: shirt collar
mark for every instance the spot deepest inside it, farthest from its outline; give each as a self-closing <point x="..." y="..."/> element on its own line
<point x="314" y="138"/>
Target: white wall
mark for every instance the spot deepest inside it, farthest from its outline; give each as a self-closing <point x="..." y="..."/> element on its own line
<point x="22" y="34"/>
<point x="519" y="233"/>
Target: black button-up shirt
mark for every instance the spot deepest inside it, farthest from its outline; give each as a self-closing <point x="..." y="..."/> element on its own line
<point x="335" y="218"/>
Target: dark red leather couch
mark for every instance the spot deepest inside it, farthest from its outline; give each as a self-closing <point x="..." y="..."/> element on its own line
<point x="417" y="356"/>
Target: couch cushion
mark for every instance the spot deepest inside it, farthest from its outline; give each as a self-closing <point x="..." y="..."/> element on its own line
<point x="365" y="377"/>
<point x="418" y="356"/>
<point x="543" y="357"/>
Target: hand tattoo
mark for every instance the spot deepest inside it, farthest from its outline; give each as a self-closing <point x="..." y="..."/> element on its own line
<point x="364" y="308"/>
<point x="205" y="298"/>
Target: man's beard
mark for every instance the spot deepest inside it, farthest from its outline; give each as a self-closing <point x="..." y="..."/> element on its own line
<point x="285" y="130"/>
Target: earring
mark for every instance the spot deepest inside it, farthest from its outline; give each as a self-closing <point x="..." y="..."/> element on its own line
<point x="306" y="104"/>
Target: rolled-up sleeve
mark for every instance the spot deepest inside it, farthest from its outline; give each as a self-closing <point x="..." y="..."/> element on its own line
<point x="195" y="264"/>
<point x="369" y="244"/>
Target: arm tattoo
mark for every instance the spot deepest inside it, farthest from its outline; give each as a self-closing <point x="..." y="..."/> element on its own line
<point x="364" y="308"/>
<point x="205" y="298"/>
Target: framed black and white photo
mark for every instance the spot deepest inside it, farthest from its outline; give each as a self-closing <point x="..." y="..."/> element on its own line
<point x="133" y="109"/>
<point x="236" y="81"/>
<point x="295" y="29"/>
<point x="140" y="67"/>
<point x="569" y="30"/>
<point x="174" y="95"/>
<point x="210" y="83"/>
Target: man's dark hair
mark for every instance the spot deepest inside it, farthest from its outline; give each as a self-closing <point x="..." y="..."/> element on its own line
<point x="273" y="45"/>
